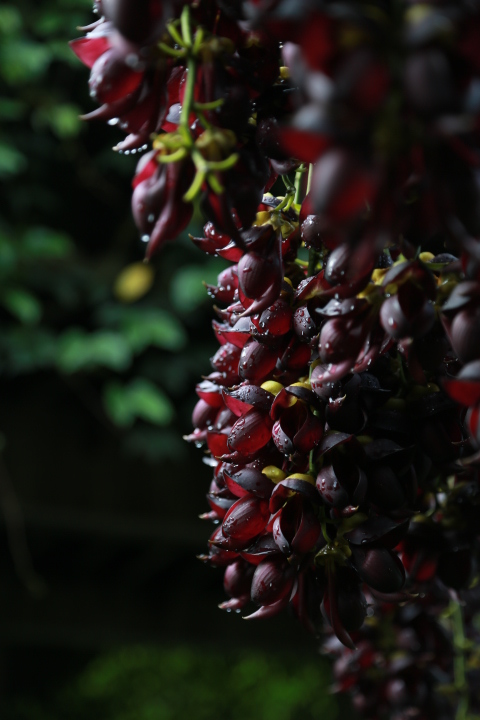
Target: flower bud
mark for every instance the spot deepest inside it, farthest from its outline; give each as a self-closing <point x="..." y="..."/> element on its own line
<point x="273" y="580"/>
<point x="246" y="519"/>
<point x="379" y="568"/>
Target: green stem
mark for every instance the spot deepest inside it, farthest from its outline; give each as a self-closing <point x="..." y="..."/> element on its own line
<point x="173" y="157"/>
<point x="309" y="179"/>
<point x="459" y="665"/>
<point x="199" y="35"/>
<point x="313" y="258"/>
<point x="188" y="98"/>
<point x="209" y="105"/>
<point x="221" y="165"/>
<point x="288" y="185"/>
<point x="215" y="184"/>
<point x="401" y="371"/>
<point x="171" y="51"/>
<point x="298" y="184"/>
<point x="185" y="25"/>
<point x="196" y="186"/>
<point x="323" y="523"/>
<point x="284" y="204"/>
<point x="325" y="534"/>
<point x="189" y="90"/>
<point x="203" y="120"/>
<point x="175" y="35"/>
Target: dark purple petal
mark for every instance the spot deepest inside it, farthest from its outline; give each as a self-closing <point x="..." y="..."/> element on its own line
<point x="250" y="433"/>
<point x="283" y="442"/>
<point x="379" y="530"/>
<point x="288" y="487"/>
<point x="243" y="397"/>
<point x="272" y="581"/>
<point x="256" y="362"/>
<point x="379" y="568"/>
<point x="249" y="481"/>
<point x="237" y="579"/>
<point x="262" y="548"/>
<point x="246" y="519"/>
<point x="330" y="488"/>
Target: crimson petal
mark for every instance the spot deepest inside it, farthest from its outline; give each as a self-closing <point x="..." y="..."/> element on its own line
<point x="246" y="519"/>
<point x="250" y="433"/>
<point x="249" y="481"/>
<point x="88" y="50"/>
<point x="256" y="362"/>
<point x="262" y="548"/>
<point x="272" y="581"/>
<point x="286" y="488"/>
<point x="379" y="568"/>
<point x="244" y="397"/>
<point x="267" y="611"/>
<point x="378" y="530"/>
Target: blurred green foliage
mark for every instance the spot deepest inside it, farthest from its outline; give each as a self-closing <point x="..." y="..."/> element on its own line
<point x="74" y="298"/>
<point x="143" y="683"/>
<point x="32" y="38"/>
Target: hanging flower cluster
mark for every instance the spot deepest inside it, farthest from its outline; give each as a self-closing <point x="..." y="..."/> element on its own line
<point x="342" y="415"/>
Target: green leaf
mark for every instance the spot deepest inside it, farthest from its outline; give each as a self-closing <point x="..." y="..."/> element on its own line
<point x="12" y="161"/>
<point x="139" y="399"/>
<point x="116" y="405"/>
<point x="175" y="681"/>
<point x="79" y="350"/>
<point x="62" y="119"/>
<point x="149" y="402"/>
<point x="187" y="290"/>
<point x="22" y="304"/>
<point x="40" y="242"/>
<point x="23" y="60"/>
<point x="11" y="109"/>
<point x="10" y="20"/>
<point x="65" y="120"/>
<point x="52" y="20"/>
<point x="143" y="328"/>
<point x="8" y="256"/>
<point x="154" y="446"/>
<point x="24" y="349"/>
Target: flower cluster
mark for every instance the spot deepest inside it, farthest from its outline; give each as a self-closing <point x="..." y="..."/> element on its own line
<point x="333" y="147"/>
<point x="413" y="662"/>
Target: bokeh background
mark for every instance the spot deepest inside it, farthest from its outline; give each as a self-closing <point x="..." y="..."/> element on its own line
<point x="105" y="612"/>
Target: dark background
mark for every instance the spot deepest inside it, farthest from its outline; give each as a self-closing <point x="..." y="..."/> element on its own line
<point x="105" y="612"/>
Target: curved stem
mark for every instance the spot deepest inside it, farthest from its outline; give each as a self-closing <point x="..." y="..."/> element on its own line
<point x="185" y="25"/>
<point x="284" y="204"/>
<point x="176" y="35"/>
<point x="298" y="183"/>
<point x="189" y="90"/>
<point x="313" y="258"/>
<point x="188" y="98"/>
<point x="309" y="179"/>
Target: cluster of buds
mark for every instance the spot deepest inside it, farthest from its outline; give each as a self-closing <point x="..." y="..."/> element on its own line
<point x="342" y="414"/>
<point x="188" y="79"/>
<point x="413" y="662"/>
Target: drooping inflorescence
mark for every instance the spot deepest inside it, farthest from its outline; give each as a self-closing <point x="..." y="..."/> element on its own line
<point x="333" y="148"/>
